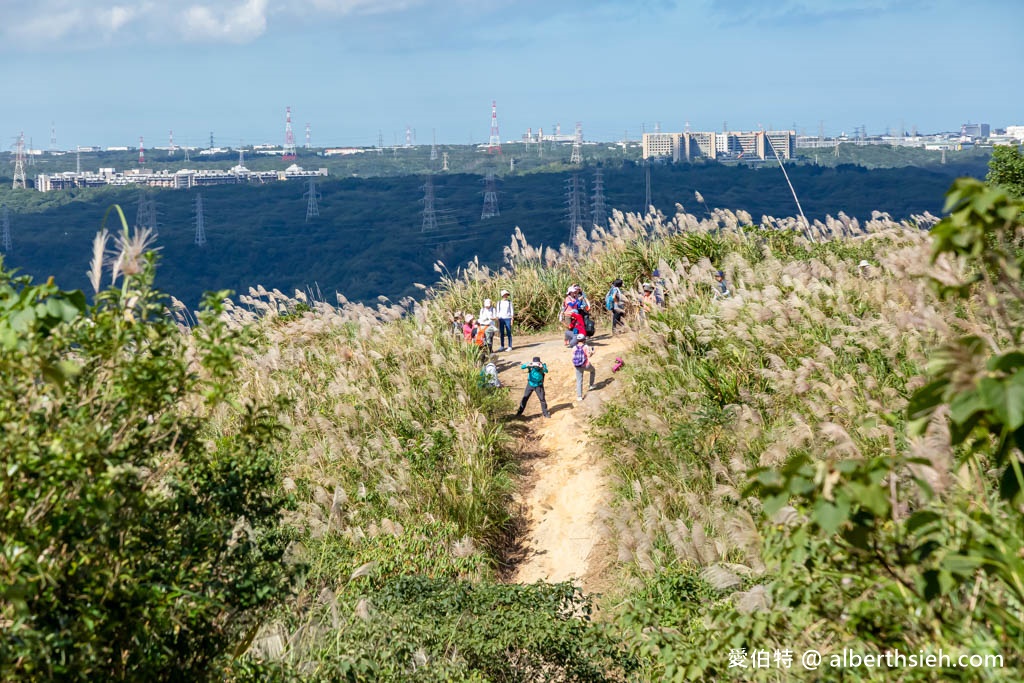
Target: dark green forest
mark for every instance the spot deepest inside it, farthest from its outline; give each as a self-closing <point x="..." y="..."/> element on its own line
<point x="368" y="239"/>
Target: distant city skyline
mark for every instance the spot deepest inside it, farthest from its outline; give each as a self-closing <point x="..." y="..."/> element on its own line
<point x="106" y="72"/>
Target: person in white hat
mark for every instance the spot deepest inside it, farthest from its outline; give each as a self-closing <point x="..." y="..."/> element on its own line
<point x="486" y="319"/>
<point x="505" y="315"/>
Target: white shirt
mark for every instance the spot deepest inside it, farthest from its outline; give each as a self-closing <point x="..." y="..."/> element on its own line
<point x="505" y="308"/>
<point x="486" y="315"/>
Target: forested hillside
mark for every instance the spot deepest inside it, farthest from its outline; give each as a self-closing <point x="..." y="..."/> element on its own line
<point x="368" y="240"/>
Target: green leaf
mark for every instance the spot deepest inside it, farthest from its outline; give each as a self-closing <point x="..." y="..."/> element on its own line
<point x="1009" y="484"/>
<point x="964" y="405"/>
<point x="920" y="520"/>
<point x="1015" y="401"/>
<point x="926" y="399"/>
<point x="1006" y="362"/>
<point x="830" y="516"/>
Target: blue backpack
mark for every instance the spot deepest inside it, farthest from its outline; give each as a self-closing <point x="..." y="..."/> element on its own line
<point x="609" y="301"/>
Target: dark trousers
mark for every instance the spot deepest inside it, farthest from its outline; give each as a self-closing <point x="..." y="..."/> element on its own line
<point x="540" y="395"/>
<point x="505" y="325"/>
<point x="617" y="314"/>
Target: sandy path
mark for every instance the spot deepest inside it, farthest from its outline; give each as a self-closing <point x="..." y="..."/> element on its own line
<point x="564" y="485"/>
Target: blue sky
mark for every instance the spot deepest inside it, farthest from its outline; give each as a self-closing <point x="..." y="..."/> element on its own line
<point x="107" y="71"/>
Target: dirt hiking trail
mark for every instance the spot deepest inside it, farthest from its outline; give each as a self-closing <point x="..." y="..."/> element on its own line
<point x="564" y="486"/>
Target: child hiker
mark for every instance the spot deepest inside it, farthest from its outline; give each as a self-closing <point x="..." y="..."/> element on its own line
<point x="534" y="383"/>
<point x="581" y="354"/>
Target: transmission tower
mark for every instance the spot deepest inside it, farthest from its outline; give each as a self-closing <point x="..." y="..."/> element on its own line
<point x="145" y="216"/>
<point x="288" y="153"/>
<point x="31" y="154"/>
<point x="200" y="221"/>
<point x="142" y="152"/>
<point x="78" y="159"/>
<point x="598" y="210"/>
<point x="308" y="143"/>
<point x="540" y="142"/>
<point x="575" y="200"/>
<point x="170" y="143"/>
<point x="433" y="146"/>
<point x="577" y="146"/>
<point x="490" y="197"/>
<point x="408" y="135"/>
<point x="494" y="143"/>
<point x="19" y="163"/>
<point x="380" y="142"/>
<point x="647" y="185"/>
<point x="211" y="139"/>
<point x="311" y="195"/>
<point x="5" y="223"/>
<point x="53" y="137"/>
<point x="444" y="161"/>
<point x="429" y="214"/>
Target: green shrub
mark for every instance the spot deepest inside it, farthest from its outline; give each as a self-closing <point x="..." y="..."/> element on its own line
<point x="133" y="547"/>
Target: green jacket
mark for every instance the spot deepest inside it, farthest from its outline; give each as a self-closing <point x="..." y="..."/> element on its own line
<point x="536" y="377"/>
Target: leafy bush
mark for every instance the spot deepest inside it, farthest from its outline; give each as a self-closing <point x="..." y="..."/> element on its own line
<point x="415" y="628"/>
<point x="133" y="546"/>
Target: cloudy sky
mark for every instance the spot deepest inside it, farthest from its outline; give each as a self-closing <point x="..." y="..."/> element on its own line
<point x="105" y="72"/>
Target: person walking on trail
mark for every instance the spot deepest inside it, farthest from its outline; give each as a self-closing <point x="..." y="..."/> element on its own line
<point x="574" y="325"/>
<point x="721" y="288"/>
<point x="648" y="303"/>
<point x="534" y="384"/>
<point x="581" y="355"/>
<point x="486" y="320"/>
<point x="569" y="304"/>
<point x="505" y="316"/>
<point x="613" y="303"/>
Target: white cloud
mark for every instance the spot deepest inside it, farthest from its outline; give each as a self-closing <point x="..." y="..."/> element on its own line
<point x="82" y="24"/>
<point x="239" y="23"/>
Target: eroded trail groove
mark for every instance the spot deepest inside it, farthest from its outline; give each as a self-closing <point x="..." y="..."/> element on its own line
<point x="564" y="484"/>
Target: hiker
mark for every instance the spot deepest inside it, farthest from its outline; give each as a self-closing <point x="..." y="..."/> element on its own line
<point x="505" y="314"/>
<point x="613" y="303"/>
<point x="583" y="307"/>
<point x="488" y="314"/>
<point x="582" y="304"/>
<point x="570" y="303"/>
<point x="864" y="268"/>
<point x="574" y="325"/>
<point x="660" y="291"/>
<point x="581" y="354"/>
<point x="648" y="303"/>
<point x="534" y="383"/>
<point x="455" y="323"/>
<point x="489" y="377"/>
<point x="721" y="288"/>
<point x="469" y="328"/>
